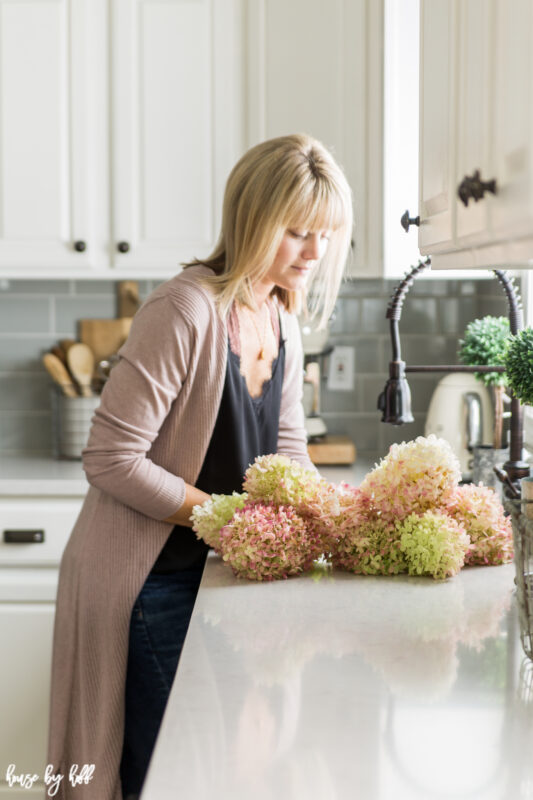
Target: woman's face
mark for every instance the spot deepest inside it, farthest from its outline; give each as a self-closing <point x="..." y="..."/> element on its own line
<point x="297" y="254"/>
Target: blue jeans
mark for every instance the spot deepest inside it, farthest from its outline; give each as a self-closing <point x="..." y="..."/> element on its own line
<point x="159" y="622"/>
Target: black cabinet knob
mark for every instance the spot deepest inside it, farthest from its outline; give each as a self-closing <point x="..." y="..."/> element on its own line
<point x="123" y="247"/>
<point x="406" y="221"/>
<point x="473" y="188"/>
<point x="80" y="246"/>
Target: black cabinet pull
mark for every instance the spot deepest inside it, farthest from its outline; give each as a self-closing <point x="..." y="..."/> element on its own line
<point x="406" y="221"/>
<point x="473" y="188"/>
<point x="80" y="246"/>
<point x="123" y="247"/>
<point x="24" y="536"/>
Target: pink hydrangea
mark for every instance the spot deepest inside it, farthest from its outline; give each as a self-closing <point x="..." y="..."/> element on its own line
<point x="415" y="476"/>
<point x="263" y="541"/>
<point x="321" y="515"/>
<point x="478" y="509"/>
<point x="279" y="480"/>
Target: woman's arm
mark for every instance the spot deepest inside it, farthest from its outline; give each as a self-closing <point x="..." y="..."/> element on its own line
<point x="135" y="403"/>
<point x="292" y="436"/>
<point x="193" y="497"/>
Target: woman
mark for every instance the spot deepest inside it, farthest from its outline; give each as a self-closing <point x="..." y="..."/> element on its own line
<point x="210" y="378"/>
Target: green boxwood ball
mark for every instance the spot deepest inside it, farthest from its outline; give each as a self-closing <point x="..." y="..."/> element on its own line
<point x="518" y="363"/>
<point x="484" y="343"/>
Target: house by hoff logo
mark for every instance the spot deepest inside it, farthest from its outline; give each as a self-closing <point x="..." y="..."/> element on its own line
<point x="77" y="775"/>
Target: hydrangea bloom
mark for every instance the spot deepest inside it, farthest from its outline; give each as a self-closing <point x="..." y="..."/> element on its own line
<point x="372" y="548"/>
<point x="321" y="515"/>
<point x="209" y="517"/>
<point x="479" y="511"/>
<point x="414" y="477"/>
<point x="265" y="542"/>
<point x="281" y="480"/>
<point x="433" y="544"/>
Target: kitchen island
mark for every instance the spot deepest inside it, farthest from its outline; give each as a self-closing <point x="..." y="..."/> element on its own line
<point x="332" y="686"/>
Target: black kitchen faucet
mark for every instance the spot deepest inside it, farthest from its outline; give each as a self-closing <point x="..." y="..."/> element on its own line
<point x="395" y="400"/>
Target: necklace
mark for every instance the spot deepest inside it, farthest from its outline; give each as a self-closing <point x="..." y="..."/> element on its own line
<point x="261" y="337"/>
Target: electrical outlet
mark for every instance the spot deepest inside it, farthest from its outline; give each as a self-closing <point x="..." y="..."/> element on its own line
<point x="341" y="369"/>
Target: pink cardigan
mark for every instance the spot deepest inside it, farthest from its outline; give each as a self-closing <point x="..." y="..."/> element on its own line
<point x="149" y="435"/>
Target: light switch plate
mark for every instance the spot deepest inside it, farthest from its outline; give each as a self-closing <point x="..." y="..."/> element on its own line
<point x="341" y="369"/>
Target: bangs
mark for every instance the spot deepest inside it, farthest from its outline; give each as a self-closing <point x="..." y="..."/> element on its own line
<point x="322" y="207"/>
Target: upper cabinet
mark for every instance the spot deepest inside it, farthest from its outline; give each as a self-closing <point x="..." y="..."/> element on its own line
<point x="119" y="122"/>
<point x="316" y="66"/>
<point x="176" y="120"/>
<point x="476" y="133"/>
<point x="46" y="153"/>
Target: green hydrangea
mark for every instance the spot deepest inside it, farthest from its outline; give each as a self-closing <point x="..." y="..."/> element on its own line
<point x="370" y="548"/>
<point x="209" y="517"/>
<point x="433" y="544"/>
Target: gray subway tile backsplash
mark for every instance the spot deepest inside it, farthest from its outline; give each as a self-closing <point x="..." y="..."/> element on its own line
<point x="16" y="287"/>
<point x="28" y="432"/>
<point x="35" y="314"/>
<point x="68" y="310"/>
<point x="22" y="352"/>
<point x="419" y="315"/>
<point x="24" y="391"/>
<point x="20" y="314"/>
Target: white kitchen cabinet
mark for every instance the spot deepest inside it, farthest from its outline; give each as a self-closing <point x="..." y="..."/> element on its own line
<point x="437" y="64"/>
<point x="28" y="584"/>
<point x="315" y="66"/>
<point x="47" y="117"/>
<point x="121" y="120"/>
<point x="513" y="119"/>
<point x="476" y="114"/>
<point x="119" y="123"/>
<point x="176" y="127"/>
<point x="26" y="630"/>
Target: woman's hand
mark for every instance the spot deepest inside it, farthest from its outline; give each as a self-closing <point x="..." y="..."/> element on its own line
<point x="193" y="497"/>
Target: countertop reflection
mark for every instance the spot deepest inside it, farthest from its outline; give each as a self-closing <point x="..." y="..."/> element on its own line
<point x="334" y="686"/>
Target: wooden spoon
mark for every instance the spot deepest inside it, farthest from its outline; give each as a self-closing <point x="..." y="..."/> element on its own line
<point x="65" y="345"/>
<point x="59" y="373"/>
<point x="80" y="362"/>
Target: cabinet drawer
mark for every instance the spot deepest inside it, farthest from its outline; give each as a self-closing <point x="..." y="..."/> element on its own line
<point x="35" y="531"/>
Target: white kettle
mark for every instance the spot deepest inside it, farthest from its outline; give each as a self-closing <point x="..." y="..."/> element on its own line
<point x="461" y="412"/>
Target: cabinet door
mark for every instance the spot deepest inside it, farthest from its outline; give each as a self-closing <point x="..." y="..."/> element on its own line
<point x="26" y="631"/>
<point x="512" y="119"/>
<point x="47" y="169"/>
<point x="437" y="123"/>
<point x="176" y="126"/>
<point x="314" y="66"/>
<point x="474" y="88"/>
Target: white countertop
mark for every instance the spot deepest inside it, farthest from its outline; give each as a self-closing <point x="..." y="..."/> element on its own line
<point x="332" y="686"/>
<point x="41" y="475"/>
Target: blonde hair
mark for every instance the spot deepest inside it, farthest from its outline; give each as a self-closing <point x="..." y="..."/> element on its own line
<point x="290" y="181"/>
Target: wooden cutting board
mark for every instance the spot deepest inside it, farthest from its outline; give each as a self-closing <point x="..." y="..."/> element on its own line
<point x="104" y="336"/>
<point x="332" y="450"/>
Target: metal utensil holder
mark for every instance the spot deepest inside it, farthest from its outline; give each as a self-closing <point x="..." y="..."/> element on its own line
<point x="71" y="423"/>
<point x="521" y="512"/>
